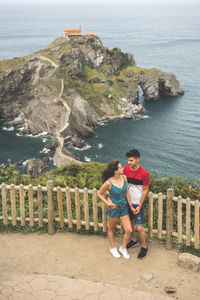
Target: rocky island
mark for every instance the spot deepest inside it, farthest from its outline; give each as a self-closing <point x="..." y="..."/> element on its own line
<point x="73" y="84"/>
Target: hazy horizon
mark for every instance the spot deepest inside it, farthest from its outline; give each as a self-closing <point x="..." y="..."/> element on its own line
<point x="142" y="2"/>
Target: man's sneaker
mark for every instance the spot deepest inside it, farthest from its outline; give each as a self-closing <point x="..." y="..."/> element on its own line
<point x="143" y="253"/>
<point x="132" y="244"/>
<point x="124" y="252"/>
<point x="114" y="252"/>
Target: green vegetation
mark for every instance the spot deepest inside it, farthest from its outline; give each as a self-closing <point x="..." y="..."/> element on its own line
<point x="9" y="64"/>
<point x="89" y="175"/>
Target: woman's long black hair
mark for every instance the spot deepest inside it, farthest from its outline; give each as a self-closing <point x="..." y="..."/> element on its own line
<point x="110" y="170"/>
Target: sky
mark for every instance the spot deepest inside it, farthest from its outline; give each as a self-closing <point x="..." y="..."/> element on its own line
<point x="98" y="1"/>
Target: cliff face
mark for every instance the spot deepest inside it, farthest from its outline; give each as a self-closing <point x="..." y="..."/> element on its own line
<point x="72" y="84"/>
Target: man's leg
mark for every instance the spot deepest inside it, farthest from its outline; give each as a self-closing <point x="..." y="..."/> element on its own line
<point x="142" y="234"/>
<point x="133" y="241"/>
<point x="133" y="236"/>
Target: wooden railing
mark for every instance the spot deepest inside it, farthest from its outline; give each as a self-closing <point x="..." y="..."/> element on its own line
<point x="166" y="216"/>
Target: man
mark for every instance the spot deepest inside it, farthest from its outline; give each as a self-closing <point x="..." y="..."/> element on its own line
<point x="138" y="186"/>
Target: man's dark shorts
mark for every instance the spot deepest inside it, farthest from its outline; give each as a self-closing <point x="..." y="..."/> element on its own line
<point x="139" y="218"/>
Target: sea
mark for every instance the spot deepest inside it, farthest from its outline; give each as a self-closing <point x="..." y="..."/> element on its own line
<point x="161" y="36"/>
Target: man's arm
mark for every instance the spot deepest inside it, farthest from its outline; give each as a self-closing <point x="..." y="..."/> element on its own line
<point x="144" y="194"/>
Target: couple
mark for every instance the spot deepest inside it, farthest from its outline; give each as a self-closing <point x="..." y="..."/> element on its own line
<point x="125" y="201"/>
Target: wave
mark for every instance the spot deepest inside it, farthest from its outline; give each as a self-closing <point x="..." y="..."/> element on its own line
<point x="11" y="128"/>
<point x="86" y="147"/>
<point x="87" y="158"/>
<point x="172" y="42"/>
<point x="44" y="133"/>
<point x="45" y="150"/>
<point x="25" y="163"/>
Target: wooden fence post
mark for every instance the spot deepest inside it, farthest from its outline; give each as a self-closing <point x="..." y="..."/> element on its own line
<point x="13" y="204"/>
<point x="4" y="204"/>
<point x="31" y="209"/>
<point x="78" y="209"/>
<point x="196" y="225"/>
<point x="50" y="203"/>
<point x="22" y="204"/>
<point x="86" y="209"/>
<point x="188" y="221"/>
<point x="95" y="209"/>
<point x="160" y="214"/>
<point x="150" y="214"/>
<point x="169" y="218"/>
<point x="40" y="206"/>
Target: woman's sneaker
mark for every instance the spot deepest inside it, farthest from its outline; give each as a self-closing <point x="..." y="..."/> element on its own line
<point x="132" y="244"/>
<point x="114" y="252"/>
<point x="124" y="252"/>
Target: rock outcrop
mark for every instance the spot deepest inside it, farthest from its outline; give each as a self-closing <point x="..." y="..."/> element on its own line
<point x="73" y="84"/>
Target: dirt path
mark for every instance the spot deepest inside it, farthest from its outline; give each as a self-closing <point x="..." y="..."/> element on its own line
<point x="87" y="257"/>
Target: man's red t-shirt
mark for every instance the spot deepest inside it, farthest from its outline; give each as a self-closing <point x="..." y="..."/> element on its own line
<point x="136" y="180"/>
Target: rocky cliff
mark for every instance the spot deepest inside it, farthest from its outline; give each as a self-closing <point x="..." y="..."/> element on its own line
<point x="73" y="84"/>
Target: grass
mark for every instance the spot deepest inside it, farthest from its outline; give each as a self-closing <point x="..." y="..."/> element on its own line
<point x="189" y="249"/>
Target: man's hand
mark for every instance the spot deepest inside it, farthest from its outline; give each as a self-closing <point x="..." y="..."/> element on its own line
<point x="137" y="210"/>
<point x="133" y="209"/>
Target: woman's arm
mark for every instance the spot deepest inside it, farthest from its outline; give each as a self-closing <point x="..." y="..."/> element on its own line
<point x="104" y="188"/>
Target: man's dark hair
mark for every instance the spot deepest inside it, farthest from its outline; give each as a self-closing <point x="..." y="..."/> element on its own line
<point x="133" y="153"/>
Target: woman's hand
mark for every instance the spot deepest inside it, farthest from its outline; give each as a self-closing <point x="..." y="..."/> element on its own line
<point x="110" y="205"/>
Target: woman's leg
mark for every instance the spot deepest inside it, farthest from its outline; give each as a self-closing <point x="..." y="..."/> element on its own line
<point x="112" y="222"/>
<point x="126" y="223"/>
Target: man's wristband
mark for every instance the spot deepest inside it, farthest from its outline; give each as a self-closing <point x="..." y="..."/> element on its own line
<point x="140" y="205"/>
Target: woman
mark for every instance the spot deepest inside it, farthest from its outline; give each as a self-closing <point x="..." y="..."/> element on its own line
<point x="116" y="183"/>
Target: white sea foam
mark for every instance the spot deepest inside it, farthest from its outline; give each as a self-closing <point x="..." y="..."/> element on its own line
<point x="145" y="117"/>
<point x="87" y="158"/>
<point x="11" y="128"/>
<point x="45" y="151"/>
<point x="86" y="147"/>
<point x="100" y="146"/>
<point x="20" y="128"/>
<point x="44" y="133"/>
<point x="25" y="163"/>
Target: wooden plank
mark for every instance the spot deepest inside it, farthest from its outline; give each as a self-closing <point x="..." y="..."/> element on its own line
<point x="4" y="204"/>
<point x="13" y="204"/>
<point x="160" y="214"/>
<point x="196" y="225"/>
<point x="95" y="209"/>
<point x="78" y="209"/>
<point x="180" y="226"/>
<point x="60" y="206"/>
<point x="150" y="214"/>
<point x="31" y="209"/>
<point x="169" y="218"/>
<point x="40" y="206"/>
<point x="69" y="208"/>
<point x="188" y="222"/>
<point x="50" y="203"/>
<point x="86" y="209"/>
<point x="22" y="208"/>
<point x="104" y="217"/>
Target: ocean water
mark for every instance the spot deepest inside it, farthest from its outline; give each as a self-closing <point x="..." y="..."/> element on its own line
<point x="161" y="36"/>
